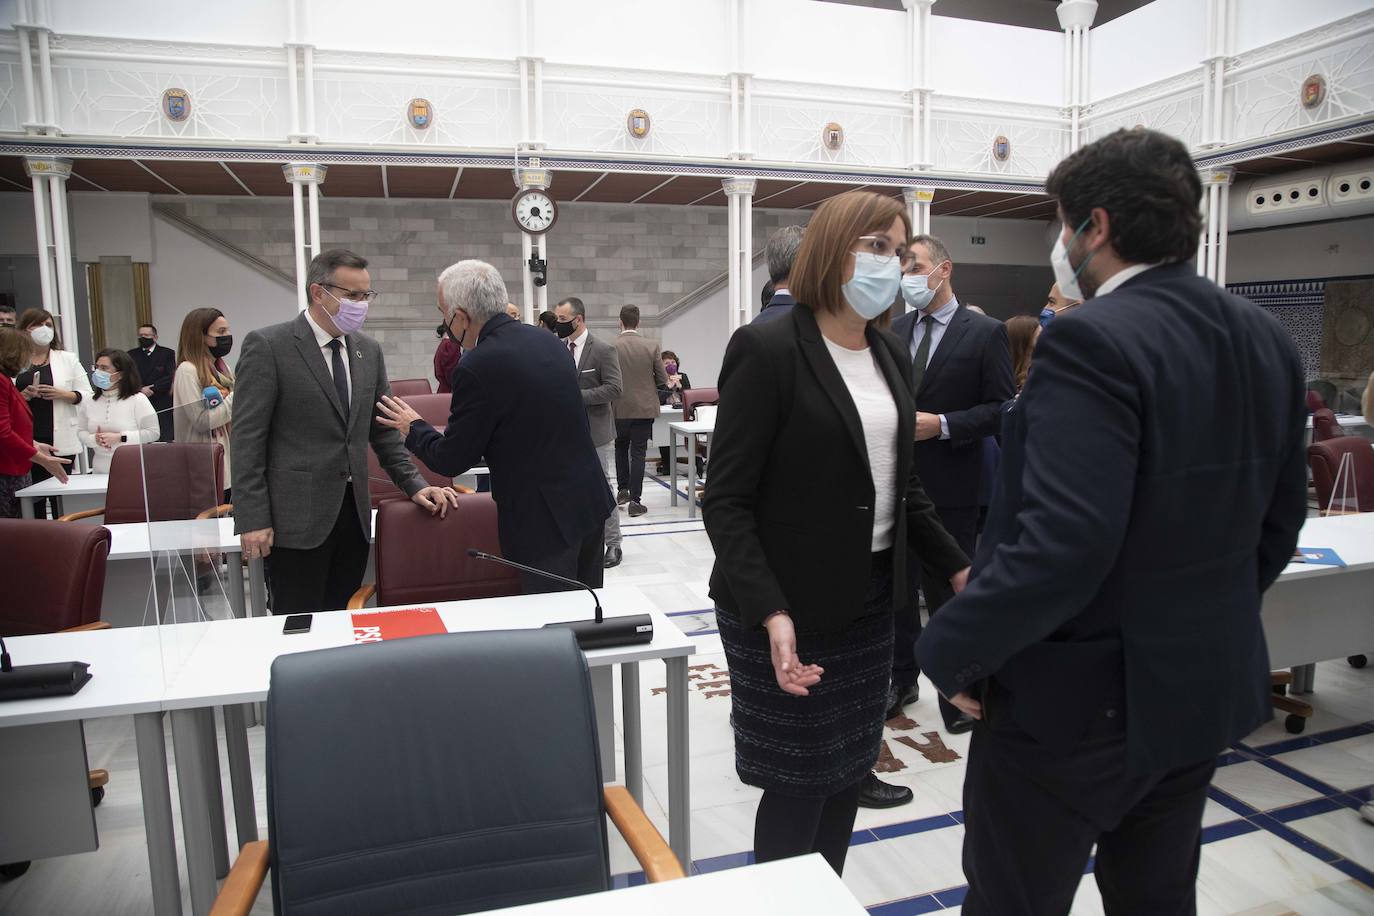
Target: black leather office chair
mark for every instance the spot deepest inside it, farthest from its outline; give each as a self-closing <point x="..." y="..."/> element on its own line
<point x="438" y="774"/>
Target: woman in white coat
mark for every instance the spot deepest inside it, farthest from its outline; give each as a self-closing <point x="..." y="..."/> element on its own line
<point x="54" y="385"/>
<point x="205" y="341"/>
<point x="118" y="413"/>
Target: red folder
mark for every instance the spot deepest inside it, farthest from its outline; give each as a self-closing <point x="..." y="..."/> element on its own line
<point x="376" y="626"/>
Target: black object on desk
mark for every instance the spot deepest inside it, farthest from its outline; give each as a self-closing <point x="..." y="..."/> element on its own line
<point x="27" y="682"/>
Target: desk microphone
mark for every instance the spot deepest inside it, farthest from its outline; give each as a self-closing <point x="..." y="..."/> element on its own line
<point x="51" y="680"/>
<point x="599" y="633"/>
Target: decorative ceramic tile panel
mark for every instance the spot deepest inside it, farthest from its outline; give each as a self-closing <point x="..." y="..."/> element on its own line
<point x="1299" y="305"/>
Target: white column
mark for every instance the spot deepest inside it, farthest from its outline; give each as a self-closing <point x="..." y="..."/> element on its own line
<point x="26" y="67"/>
<point x="732" y="259"/>
<point x="747" y="130"/>
<point x="918" y="66"/>
<point x="53" y="232"/>
<point x="1075" y="18"/>
<point x="526" y="134"/>
<point x="527" y="252"/>
<point x="308" y="88"/>
<point x="1210" y="229"/>
<point x="1216" y="221"/>
<point x="739" y="193"/>
<point x="42" y="224"/>
<point x="538" y="136"/>
<point x="45" y="79"/>
<point x="734" y="116"/>
<point x="300" y="174"/>
<point x="918" y="201"/>
<point x="293" y="89"/>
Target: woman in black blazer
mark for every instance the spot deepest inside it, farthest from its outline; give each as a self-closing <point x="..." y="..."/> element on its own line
<point x="807" y="564"/>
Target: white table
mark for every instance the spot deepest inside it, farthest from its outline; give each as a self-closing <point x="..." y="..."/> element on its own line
<point x="136" y="545"/>
<point x="228" y="662"/>
<point x="1315" y="613"/>
<point x="689" y="429"/>
<point x="1345" y="420"/>
<point x="80" y="492"/>
<point x="666" y="414"/>
<point x="792" y="887"/>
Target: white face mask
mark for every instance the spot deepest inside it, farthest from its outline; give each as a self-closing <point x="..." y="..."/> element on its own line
<point x="1064" y="273"/>
<point x="42" y="335"/>
<point x="874" y="285"/>
<point x="917" y="291"/>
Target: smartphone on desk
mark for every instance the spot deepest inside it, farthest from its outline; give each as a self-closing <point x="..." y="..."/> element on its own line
<point x="297" y="623"/>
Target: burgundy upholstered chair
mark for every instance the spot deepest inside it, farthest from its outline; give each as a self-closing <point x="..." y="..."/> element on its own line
<point x="694" y="397"/>
<point x="423" y="559"/>
<point x="409" y="387"/>
<point x="54" y="575"/>
<point x="183" y="485"/>
<point x="1314" y="402"/>
<point x="1324" y="425"/>
<point x="1325" y="457"/>
<point x="380" y="487"/>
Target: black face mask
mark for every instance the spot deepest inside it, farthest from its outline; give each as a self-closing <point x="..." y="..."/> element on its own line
<point x="222" y="346"/>
<point x="442" y="331"/>
<point x="146" y="343"/>
<point x="563" y="328"/>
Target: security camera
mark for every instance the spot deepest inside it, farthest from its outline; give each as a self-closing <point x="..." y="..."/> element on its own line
<point x="539" y="268"/>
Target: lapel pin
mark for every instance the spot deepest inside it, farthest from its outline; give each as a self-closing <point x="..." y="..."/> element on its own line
<point x="358" y="353"/>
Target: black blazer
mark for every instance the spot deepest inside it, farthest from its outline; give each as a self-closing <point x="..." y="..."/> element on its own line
<point x="516" y="401"/>
<point x="968" y="379"/>
<point x="783" y="538"/>
<point x="1152" y="487"/>
<point x="157" y="370"/>
<point x="780" y="306"/>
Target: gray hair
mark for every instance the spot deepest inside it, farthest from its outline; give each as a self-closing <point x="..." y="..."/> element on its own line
<point x="323" y="265"/>
<point x="781" y="251"/>
<point x="936" y="248"/>
<point x="474" y="286"/>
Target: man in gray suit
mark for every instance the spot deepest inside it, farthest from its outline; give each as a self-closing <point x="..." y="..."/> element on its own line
<point x="598" y="375"/>
<point x="303" y="420"/>
<point x="642" y="375"/>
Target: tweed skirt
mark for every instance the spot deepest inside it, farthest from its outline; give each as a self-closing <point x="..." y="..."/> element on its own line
<point x="816" y="745"/>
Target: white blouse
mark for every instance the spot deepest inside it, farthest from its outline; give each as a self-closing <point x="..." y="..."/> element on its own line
<point x="878" y="414"/>
<point x="133" y="418"/>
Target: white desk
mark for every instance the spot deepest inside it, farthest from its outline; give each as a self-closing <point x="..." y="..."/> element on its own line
<point x="1345" y="420"/>
<point x="792" y="887"/>
<point x="690" y="430"/>
<point x="80" y="492"/>
<point x="1314" y="613"/>
<point x="136" y="546"/>
<point x="666" y="414"/>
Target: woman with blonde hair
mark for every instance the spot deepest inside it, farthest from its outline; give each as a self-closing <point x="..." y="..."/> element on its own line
<point x="804" y="588"/>
<point x="205" y="341"/>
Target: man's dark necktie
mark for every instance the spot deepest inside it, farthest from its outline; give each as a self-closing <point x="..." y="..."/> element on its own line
<point x="340" y="373"/>
<point x="918" y="369"/>
<point x="572" y="351"/>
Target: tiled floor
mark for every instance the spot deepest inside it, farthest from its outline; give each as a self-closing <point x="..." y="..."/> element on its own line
<point x="1281" y="832"/>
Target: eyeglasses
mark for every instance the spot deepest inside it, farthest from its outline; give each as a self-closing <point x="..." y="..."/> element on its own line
<point x="879" y="246"/>
<point x="367" y="294"/>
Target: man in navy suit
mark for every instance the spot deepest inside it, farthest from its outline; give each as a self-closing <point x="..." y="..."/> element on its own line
<point x="1152" y="487"/>
<point x="780" y="252"/>
<point x="516" y="401"/>
<point x="961" y="376"/>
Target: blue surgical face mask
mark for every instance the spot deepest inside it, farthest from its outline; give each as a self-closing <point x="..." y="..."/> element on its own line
<point x="917" y="291"/>
<point x="102" y="380"/>
<point x="872" y="289"/>
<point x="1046" y="316"/>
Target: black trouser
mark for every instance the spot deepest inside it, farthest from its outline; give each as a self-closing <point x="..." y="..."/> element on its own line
<point x="1025" y="846"/>
<point x="582" y="561"/>
<point x="322" y="578"/>
<point x="631" y="442"/>
<point x="788" y="826"/>
<point x="962" y="524"/>
<point x="41" y="507"/>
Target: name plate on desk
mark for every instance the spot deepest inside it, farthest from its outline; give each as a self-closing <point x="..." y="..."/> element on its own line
<point x="1317" y="556"/>
<point x="379" y="626"/>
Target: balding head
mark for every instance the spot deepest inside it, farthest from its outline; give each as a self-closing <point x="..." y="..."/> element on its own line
<point x="1058" y="301"/>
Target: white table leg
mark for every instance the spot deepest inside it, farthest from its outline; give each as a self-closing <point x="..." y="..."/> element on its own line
<point x="257" y="585"/>
<point x="157" y="814"/>
<point x="214" y="788"/>
<point x="234" y="571"/>
<point x="692" y="477"/>
<point x="241" y="772"/>
<point x="672" y="468"/>
<point x="26" y="506"/>
<point x="634" y="739"/>
<point x="679" y="782"/>
<point x="195" y="810"/>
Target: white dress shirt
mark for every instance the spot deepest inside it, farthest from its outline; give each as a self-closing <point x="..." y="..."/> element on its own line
<point x="942" y="317"/>
<point x="1120" y="277"/>
<point x="581" y="341"/>
<point x="323" y="337"/>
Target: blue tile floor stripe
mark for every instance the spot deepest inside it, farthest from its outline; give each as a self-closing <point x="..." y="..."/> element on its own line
<point x="1306" y="809"/>
<point x="912" y="906"/>
<point x="1317" y="739"/>
<point x="1230" y="802"/>
<point x="1227" y="830"/>
<point x="907" y="828"/>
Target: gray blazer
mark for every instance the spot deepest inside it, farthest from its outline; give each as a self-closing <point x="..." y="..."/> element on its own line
<point x="599" y="378"/>
<point x="294" y="450"/>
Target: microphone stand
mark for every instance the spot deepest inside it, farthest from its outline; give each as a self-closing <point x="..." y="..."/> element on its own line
<point x="598" y="633"/>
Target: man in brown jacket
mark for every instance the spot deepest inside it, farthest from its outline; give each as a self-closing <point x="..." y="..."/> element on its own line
<point x="642" y="374"/>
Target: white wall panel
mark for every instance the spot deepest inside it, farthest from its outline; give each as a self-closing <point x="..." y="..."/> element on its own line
<point x="453" y="28"/>
<point x="245" y="22"/>
<point x="826" y="43"/>
<point x="582" y="117"/>
<point x="110" y="225"/>
<point x="1266" y="100"/>
<point x="991" y="61"/>
<point x="17" y="233"/>
<point x="684" y="35"/>
<point x="1157" y="41"/>
<point x="1261" y="22"/>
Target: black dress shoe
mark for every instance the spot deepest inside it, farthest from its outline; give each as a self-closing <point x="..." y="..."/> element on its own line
<point x="622" y="497"/>
<point x="635" y="508"/>
<point x="960" y="725"/>
<point x="612" y="557"/>
<point x="900" y="697"/>
<point x="877" y="794"/>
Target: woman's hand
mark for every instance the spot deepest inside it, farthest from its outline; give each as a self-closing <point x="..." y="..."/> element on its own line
<point x="107" y="440"/>
<point x="53" y="393"/>
<point x="959" y="581"/>
<point x="45" y="459"/>
<point x="674" y="381"/>
<point x="396" y="414"/>
<point x="793" y="677"/>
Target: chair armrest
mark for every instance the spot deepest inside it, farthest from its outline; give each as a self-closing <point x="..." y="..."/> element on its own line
<point x="98" y="625"/>
<point x="217" y="512"/>
<point x="241" y="887"/>
<point x="459" y="488"/>
<point x="78" y="516"/>
<point x="641" y="836"/>
<point x="362" y="596"/>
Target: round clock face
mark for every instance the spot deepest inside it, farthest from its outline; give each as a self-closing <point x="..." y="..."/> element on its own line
<point x="534" y="211"/>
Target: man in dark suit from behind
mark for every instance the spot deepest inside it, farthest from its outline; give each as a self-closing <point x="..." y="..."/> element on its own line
<point x="1152" y="487"/>
<point x="516" y="402"/>
<point x="780" y="252"/>
<point x="961" y="376"/>
<point x="156" y="368"/>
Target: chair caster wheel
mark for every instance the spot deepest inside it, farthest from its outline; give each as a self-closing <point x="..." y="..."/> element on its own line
<point x="97" y="796"/>
<point x="11" y="870"/>
<point x="1280" y="690"/>
<point x="1295" y="724"/>
<point x="1357" y="661"/>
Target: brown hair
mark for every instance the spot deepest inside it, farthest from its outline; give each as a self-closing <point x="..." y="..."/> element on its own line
<point x="669" y="354"/>
<point x="1021" y="337"/>
<point x="129" y="382"/>
<point x="191" y="347"/>
<point x="16" y="347"/>
<point x="629" y="316"/>
<point x="32" y="318"/>
<point x="817" y="273"/>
